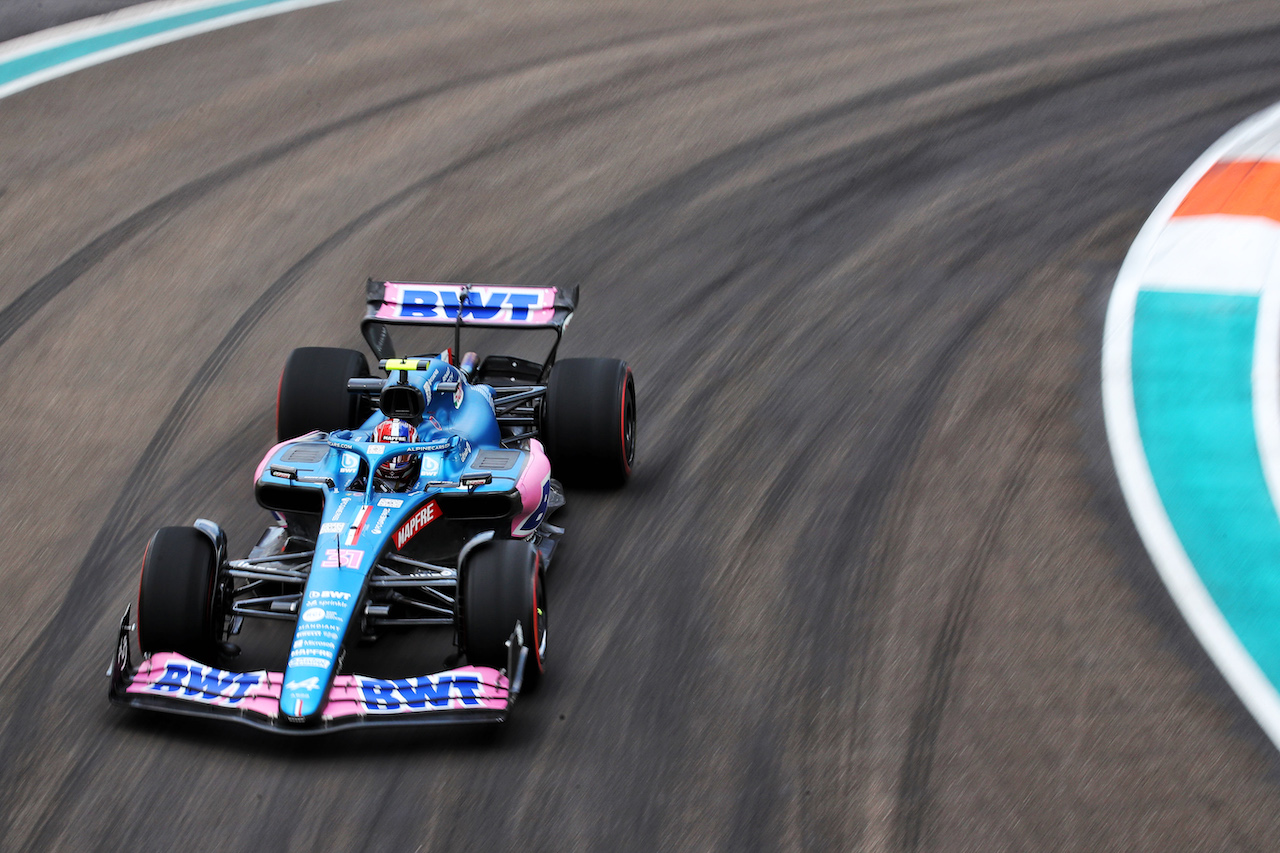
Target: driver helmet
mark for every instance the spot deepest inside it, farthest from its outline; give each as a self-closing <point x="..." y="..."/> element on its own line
<point x="395" y="431"/>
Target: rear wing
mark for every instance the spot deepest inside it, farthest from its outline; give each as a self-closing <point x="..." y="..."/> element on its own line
<point x="458" y="306"/>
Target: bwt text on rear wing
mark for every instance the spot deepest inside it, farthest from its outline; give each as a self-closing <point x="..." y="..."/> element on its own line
<point x="490" y="306"/>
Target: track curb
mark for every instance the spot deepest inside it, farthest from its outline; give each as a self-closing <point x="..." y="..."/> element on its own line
<point x="1192" y="408"/>
<point x="39" y="57"/>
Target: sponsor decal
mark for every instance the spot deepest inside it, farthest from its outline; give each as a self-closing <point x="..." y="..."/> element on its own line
<point x="381" y="337"/>
<point x="313" y="614"/>
<point x="390" y="502"/>
<point x="305" y="661"/>
<point x="382" y="519"/>
<point x="457" y="396"/>
<point x="330" y="593"/>
<point x="331" y="527"/>
<point x="531" y="523"/>
<point x="205" y="683"/>
<point x="346" y="558"/>
<point x="312" y="683"/>
<point x="498" y="304"/>
<point x="420" y="519"/>
<point x="430" y="466"/>
<point x="375" y="449"/>
<point x="122" y="655"/>
<point x="413" y="694"/>
<point x="350" y="463"/>
<point x="342" y="504"/>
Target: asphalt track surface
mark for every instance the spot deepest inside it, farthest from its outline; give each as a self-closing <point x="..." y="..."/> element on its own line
<point x="872" y="585"/>
<point x="19" y="17"/>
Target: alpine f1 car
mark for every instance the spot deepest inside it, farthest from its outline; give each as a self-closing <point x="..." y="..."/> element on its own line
<point x="415" y="500"/>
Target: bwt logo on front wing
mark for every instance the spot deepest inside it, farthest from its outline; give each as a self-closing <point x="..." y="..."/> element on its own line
<point x="416" y="694"/>
<point x="416" y="522"/>
<point x="205" y="683"/>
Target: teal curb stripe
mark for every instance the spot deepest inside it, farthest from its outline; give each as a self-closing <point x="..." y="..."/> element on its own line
<point x="1192" y="388"/>
<point x="24" y="66"/>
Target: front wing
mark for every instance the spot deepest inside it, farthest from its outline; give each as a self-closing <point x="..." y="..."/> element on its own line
<point x="167" y="681"/>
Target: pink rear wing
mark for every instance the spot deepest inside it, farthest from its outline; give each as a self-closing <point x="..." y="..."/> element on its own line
<point x="447" y="304"/>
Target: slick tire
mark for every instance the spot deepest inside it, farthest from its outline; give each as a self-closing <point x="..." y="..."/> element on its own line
<point x="589" y="421"/>
<point x="502" y="585"/>
<point x="313" y="392"/>
<point x="176" y="595"/>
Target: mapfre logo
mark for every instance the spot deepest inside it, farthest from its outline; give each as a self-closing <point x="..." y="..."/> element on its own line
<point x="416" y="522"/>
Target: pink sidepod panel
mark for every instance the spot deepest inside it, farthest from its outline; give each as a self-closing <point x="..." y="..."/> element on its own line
<point x="534" y="486"/>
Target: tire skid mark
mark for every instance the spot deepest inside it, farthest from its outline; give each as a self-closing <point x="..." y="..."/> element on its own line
<point x="914" y="794"/>
<point x="754" y="814"/>
<point x="225" y="457"/>
<point x="898" y="449"/>
<point x="861" y="515"/>
<point x="689" y="184"/>
<point x="18" y="312"/>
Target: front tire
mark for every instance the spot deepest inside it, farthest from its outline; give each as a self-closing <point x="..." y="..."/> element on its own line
<point x="589" y="421"/>
<point x="177" y="595"/>
<point x="313" y="392"/>
<point x="502" y="585"/>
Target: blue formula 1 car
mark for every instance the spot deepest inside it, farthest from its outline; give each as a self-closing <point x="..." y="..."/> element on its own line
<point x="419" y="499"/>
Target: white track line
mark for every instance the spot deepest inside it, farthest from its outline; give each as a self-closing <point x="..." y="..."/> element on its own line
<point x="112" y="22"/>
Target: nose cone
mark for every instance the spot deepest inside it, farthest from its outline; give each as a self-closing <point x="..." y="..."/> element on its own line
<point x="300" y="698"/>
<point x="317" y="641"/>
<point x="311" y="659"/>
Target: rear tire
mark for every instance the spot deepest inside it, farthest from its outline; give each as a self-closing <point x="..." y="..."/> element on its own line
<point x="589" y="421"/>
<point x="502" y="585"/>
<point x="177" y="595"/>
<point x="313" y="392"/>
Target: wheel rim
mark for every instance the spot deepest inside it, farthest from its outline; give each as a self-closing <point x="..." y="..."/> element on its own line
<point x="539" y="621"/>
<point x="629" y="422"/>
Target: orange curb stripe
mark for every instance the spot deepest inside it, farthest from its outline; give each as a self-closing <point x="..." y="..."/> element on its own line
<point x="1239" y="188"/>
